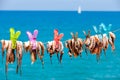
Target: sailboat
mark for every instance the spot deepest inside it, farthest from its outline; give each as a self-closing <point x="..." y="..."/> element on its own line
<point x="79" y="10"/>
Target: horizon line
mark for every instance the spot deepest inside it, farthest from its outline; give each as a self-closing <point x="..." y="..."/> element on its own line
<point x="68" y="10"/>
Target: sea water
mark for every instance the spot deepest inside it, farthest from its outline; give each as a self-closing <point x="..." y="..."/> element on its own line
<point x="80" y="68"/>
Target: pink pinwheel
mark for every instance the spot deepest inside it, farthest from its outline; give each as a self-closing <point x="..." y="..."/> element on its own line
<point x="32" y="38"/>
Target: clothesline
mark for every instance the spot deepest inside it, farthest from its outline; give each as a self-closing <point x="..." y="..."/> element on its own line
<point x="117" y="30"/>
<point x="112" y="31"/>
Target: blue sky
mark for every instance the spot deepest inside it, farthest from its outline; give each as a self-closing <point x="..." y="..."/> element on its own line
<point x="86" y="5"/>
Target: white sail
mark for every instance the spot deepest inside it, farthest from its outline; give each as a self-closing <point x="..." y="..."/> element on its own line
<point x="79" y="9"/>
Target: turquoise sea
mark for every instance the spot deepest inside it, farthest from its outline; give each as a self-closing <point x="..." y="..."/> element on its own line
<point x="80" y="68"/>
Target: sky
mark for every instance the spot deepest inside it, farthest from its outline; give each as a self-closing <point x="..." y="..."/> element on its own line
<point x="65" y="5"/>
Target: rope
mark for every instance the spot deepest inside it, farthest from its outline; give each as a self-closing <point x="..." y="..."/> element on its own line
<point x="113" y="31"/>
<point x="47" y="42"/>
<point x="116" y="30"/>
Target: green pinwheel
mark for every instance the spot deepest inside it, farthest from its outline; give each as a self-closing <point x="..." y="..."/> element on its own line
<point x="14" y="37"/>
